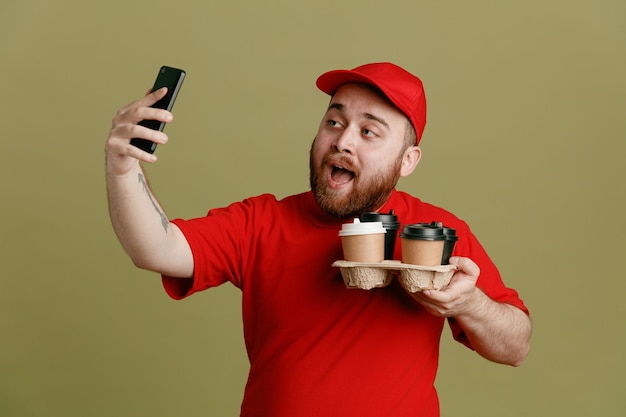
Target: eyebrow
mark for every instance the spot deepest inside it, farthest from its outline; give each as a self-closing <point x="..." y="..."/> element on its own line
<point x="369" y="116"/>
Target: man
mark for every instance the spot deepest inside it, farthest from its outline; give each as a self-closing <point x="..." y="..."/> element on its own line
<point x="315" y="347"/>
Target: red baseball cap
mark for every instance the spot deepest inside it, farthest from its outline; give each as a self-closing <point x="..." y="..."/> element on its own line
<point x="401" y="87"/>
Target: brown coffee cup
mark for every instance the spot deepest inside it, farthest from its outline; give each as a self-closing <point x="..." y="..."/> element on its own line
<point x="363" y="242"/>
<point x="422" y="244"/>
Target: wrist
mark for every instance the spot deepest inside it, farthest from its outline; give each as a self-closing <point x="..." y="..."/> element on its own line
<point x="475" y="307"/>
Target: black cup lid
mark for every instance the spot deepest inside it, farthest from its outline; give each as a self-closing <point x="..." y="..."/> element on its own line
<point x="423" y="231"/>
<point x="388" y="219"/>
<point x="450" y="233"/>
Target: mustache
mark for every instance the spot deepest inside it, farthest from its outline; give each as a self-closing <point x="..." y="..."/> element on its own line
<point x="340" y="159"/>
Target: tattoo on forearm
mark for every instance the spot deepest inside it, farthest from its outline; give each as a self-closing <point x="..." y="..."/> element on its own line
<point x="164" y="221"/>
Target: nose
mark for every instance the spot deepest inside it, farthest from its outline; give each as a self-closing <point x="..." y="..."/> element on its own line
<point x="345" y="142"/>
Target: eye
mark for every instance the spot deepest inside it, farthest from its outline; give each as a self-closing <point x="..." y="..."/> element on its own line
<point x="333" y="123"/>
<point x="369" y="133"/>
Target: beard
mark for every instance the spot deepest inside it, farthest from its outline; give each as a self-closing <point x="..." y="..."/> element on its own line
<point x="366" y="195"/>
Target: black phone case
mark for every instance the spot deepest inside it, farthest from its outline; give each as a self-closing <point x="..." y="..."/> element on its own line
<point x="169" y="77"/>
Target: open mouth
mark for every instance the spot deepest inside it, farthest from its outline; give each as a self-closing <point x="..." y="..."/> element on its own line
<point x="341" y="175"/>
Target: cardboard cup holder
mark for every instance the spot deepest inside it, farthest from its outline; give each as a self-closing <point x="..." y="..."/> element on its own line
<point x="413" y="278"/>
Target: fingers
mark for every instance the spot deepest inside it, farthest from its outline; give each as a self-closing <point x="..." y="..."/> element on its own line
<point x="152" y="97"/>
<point x="454" y="298"/>
<point x="125" y="132"/>
<point x="133" y="153"/>
<point x="146" y="101"/>
<point x="120" y="136"/>
<point x="466" y="267"/>
<point x="124" y="125"/>
<point x="431" y="305"/>
<point x="141" y="110"/>
<point x="134" y="115"/>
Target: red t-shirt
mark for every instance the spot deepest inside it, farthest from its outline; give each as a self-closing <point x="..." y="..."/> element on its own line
<point x="317" y="348"/>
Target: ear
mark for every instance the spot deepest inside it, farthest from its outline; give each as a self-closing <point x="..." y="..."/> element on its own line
<point x="410" y="159"/>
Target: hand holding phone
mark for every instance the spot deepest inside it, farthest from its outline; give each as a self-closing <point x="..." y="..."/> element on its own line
<point x="169" y="77"/>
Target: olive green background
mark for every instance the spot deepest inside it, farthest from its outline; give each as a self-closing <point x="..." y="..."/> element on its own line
<point x="525" y="140"/>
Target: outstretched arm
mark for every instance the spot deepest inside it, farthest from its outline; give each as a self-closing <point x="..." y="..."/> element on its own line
<point x="139" y="221"/>
<point x="498" y="332"/>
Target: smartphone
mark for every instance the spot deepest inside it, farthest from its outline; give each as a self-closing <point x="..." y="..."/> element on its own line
<point x="169" y="77"/>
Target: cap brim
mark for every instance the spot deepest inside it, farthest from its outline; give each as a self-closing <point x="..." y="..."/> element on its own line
<point x="330" y="81"/>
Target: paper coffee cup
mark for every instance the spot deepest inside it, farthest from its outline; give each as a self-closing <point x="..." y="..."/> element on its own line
<point x="422" y="244"/>
<point x="363" y="242"/>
